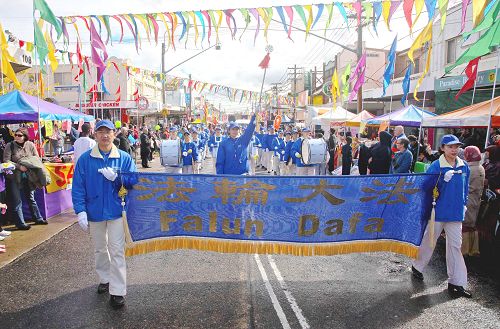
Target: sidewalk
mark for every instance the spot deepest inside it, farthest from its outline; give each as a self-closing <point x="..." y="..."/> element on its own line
<point x="21" y="242"/>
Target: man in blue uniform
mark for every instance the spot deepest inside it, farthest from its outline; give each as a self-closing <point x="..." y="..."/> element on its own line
<point x="278" y="146"/>
<point x="200" y="147"/>
<point x="253" y="150"/>
<point x="269" y="152"/>
<point x="302" y="168"/>
<point x="96" y="182"/>
<point x="287" y="156"/>
<point x="232" y="155"/>
<point x="189" y="154"/>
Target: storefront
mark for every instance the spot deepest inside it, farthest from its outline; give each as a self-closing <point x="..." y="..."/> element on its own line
<point x="114" y="111"/>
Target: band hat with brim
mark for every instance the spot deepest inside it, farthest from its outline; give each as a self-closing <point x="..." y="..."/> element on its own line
<point x="233" y="125"/>
<point x="218" y="128"/>
<point x="450" y="140"/>
<point x="106" y="124"/>
<point x="306" y="130"/>
<point x="172" y="129"/>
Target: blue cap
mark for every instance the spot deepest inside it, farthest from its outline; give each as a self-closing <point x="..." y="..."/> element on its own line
<point x="280" y="131"/>
<point x="450" y="140"/>
<point x="288" y="133"/>
<point x="218" y="128"/>
<point x="194" y="131"/>
<point x="105" y="123"/>
<point x="305" y="130"/>
<point x="234" y="125"/>
<point x="173" y="128"/>
<point x="270" y="128"/>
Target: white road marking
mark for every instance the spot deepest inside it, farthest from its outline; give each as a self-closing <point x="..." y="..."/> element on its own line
<point x="293" y="303"/>
<point x="274" y="299"/>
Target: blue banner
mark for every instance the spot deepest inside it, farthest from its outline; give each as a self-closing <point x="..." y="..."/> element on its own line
<point x="321" y="215"/>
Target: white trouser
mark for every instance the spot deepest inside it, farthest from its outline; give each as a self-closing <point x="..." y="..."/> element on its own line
<point x="307" y="171"/>
<point x="109" y="249"/>
<point x="455" y="264"/>
<point x="269" y="160"/>
<point x="187" y="169"/>
<point x="260" y="152"/>
<point x="282" y="169"/>
<point x="276" y="164"/>
<point x="173" y="170"/>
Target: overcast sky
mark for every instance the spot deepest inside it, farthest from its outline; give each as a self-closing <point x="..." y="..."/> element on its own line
<point x="235" y="65"/>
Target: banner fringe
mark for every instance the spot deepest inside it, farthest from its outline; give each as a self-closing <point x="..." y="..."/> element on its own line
<point x="277" y="248"/>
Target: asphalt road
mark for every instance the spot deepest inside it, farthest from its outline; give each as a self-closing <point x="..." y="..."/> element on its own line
<point x="54" y="286"/>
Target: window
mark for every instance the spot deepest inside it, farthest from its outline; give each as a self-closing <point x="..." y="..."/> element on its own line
<point x="451" y="50"/>
<point x="62" y="79"/>
<point x="416" y="67"/>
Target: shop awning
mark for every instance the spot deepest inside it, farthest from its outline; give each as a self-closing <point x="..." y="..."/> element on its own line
<point x="356" y="121"/>
<point x="476" y="115"/>
<point x="338" y="114"/>
<point x="18" y="106"/>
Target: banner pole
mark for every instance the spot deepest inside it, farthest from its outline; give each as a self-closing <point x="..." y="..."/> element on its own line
<point x="492" y="97"/>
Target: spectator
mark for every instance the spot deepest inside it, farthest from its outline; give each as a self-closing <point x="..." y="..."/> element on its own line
<point x="364" y="156"/>
<point x="83" y="143"/>
<point x="332" y="144"/>
<point x="145" y="147"/>
<point x="347" y="156"/>
<point x="17" y="150"/>
<point x="123" y="141"/>
<point x="401" y="163"/>
<point x="470" y="238"/>
<point x="380" y="161"/>
<point x="57" y="140"/>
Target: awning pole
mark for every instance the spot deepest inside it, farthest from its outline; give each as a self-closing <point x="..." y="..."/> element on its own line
<point x="492" y="97"/>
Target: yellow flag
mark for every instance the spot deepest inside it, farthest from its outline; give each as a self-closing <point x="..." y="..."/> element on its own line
<point x="386" y="11"/>
<point x="145" y="24"/>
<point x="419" y="5"/>
<point x="335" y="87"/>
<point x="219" y="21"/>
<point x="267" y="20"/>
<point x="427" y="66"/>
<point x="423" y="37"/>
<point x="49" y="131"/>
<point x="478" y="7"/>
<point x="51" y="55"/>
<point x="162" y="17"/>
<point x="196" y="33"/>
<point x="7" y="69"/>
<point x="309" y="19"/>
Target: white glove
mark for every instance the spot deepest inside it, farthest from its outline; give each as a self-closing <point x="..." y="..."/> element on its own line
<point x="448" y="175"/>
<point x="185" y="153"/>
<point x="297" y="155"/>
<point x="82" y="220"/>
<point x="282" y="152"/>
<point x="275" y="147"/>
<point x="109" y="173"/>
<point x="212" y="145"/>
<point x="465" y="210"/>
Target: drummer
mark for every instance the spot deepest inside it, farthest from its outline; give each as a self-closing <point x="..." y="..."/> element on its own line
<point x="173" y="169"/>
<point x="253" y="157"/>
<point x="189" y="154"/>
<point x="269" y="149"/>
<point x="200" y="147"/>
<point x="302" y="168"/>
<point x="260" y="149"/>
<point x="278" y="146"/>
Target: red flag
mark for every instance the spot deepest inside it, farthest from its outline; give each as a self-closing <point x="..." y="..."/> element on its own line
<point x="265" y="62"/>
<point x="471" y="73"/>
<point x="118" y="99"/>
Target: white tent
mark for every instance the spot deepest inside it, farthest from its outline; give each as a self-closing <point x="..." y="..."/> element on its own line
<point x="338" y="114"/>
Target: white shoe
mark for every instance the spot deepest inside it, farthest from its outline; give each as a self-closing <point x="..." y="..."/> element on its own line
<point x="5" y="233"/>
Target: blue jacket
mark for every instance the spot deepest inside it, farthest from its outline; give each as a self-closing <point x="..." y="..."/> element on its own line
<point x="297" y="148"/>
<point x="187" y="160"/>
<point x="288" y="150"/>
<point x="278" y="145"/>
<point x="452" y="195"/>
<point x="232" y="155"/>
<point x="260" y="137"/>
<point x="212" y="143"/>
<point x="95" y="194"/>
<point x="401" y="164"/>
<point x="269" y="141"/>
<point x="200" y="144"/>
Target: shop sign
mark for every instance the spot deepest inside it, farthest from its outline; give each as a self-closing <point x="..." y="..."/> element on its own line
<point x="484" y="78"/>
<point x="106" y="105"/>
<point x="61" y="177"/>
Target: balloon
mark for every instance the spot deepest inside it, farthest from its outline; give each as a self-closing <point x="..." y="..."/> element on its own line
<point x="118" y="124"/>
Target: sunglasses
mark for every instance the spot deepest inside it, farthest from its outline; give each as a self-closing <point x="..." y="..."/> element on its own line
<point x="19" y="135"/>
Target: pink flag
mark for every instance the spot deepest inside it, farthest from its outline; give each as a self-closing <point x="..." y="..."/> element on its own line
<point x="359" y="76"/>
<point x="357" y="7"/>
<point x="96" y="42"/>
<point x="465" y="4"/>
<point x="407" y="8"/>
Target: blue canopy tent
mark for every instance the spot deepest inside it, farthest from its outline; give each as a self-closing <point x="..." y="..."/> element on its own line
<point x="18" y="106"/>
<point x="410" y="116"/>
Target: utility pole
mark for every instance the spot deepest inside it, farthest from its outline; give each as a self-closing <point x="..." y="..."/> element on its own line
<point x="190" y="96"/>
<point x="294" y="92"/>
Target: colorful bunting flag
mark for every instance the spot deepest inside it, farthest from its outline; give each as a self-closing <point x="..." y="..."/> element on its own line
<point x="358" y="77"/>
<point x="471" y="73"/>
<point x="7" y="69"/>
<point x="391" y="62"/>
<point x="47" y="15"/>
<point x="345" y="80"/>
<point x="335" y="86"/>
<point x="406" y="83"/>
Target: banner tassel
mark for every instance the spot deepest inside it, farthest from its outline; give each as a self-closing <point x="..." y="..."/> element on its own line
<point x="122" y="193"/>
<point x="432" y="220"/>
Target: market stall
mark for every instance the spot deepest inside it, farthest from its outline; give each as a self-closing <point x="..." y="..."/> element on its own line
<point x="361" y="117"/>
<point x="410" y="116"/>
<point x="19" y="107"/>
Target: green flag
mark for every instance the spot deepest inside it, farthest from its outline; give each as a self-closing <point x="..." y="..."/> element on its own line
<point x="483" y="46"/>
<point x="487" y="21"/>
<point x="41" y="45"/>
<point x="47" y="15"/>
<point x="345" y="79"/>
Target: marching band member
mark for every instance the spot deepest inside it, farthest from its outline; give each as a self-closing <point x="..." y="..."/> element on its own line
<point x="260" y="149"/>
<point x="189" y="154"/>
<point x="232" y="154"/>
<point x="253" y="149"/>
<point x="278" y="145"/>
<point x="214" y="143"/>
<point x="302" y="168"/>
<point x="200" y="147"/>
<point x="173" y="169"/>
<point x="269" y="149"/>
<point x="288" y="167"/>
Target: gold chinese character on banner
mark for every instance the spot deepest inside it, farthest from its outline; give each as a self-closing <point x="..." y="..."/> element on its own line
<point x="320" y="189"/>
<point x="394" y="193"/>
<point x="173" y="191"/>
<point x="253" y="192"/>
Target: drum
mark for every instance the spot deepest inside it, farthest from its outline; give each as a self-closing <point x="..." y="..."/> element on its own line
<point x="314" y="151"/>
<point x="170" y="152"/>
